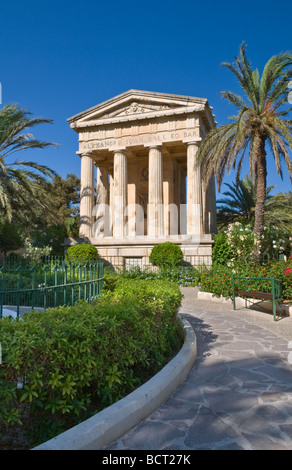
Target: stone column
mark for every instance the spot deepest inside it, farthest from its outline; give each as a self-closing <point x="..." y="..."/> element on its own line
<point x="86" y="196"/>
<point x="181" y="200"/>
<point x="120" y="194"/>
<point x="102" y="225"/>
<point x="213" y="227"/>
<point x="155" y="211"/>
<point x="102" y="184"/>
<point x="111" y="195"/>
<point x="194" y="191"/>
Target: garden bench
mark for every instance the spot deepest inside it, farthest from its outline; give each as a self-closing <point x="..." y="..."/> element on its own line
<point x="257" y="288"/>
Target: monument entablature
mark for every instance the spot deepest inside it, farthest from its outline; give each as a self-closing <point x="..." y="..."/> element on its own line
<point x="138" y="171"/>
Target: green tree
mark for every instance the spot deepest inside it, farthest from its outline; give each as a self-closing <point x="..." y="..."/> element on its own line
<point x="65" y="192"/>
<point x="11" y="237"/>
<point x="20" y="180"/>
<point x="239" y="202"/>
<point x="279" y="212"/>
<point x="260" y="121"/>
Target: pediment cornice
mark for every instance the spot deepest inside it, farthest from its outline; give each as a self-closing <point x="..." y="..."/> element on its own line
<point x="139" y="105"/>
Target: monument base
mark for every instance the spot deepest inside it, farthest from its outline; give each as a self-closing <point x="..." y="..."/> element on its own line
<point x="126" y="253"/>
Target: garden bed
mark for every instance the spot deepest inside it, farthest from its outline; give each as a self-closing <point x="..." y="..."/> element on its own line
<point x="62" y="365"/>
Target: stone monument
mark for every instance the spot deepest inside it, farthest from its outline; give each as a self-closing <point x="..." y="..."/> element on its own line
<point x="140" y="184"/>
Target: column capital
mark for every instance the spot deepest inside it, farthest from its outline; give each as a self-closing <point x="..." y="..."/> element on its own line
<point x="86" y="154"/>
<point x="121" y="150"/>
<point x="194" y="142"/>
<point x="157" y="146"/>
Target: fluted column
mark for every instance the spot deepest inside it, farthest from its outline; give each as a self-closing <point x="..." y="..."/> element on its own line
<point x="194" y="191"/>
<point x="102" y="225"/>
<point x="120" y="194"/>
<point x="213" y="227"/>
<point x="86" y="196"/>
<point x="102" y="184"/>
<point x="155" y="212"/>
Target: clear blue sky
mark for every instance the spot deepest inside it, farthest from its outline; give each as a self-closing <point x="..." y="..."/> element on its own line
<point x="61" y="57"/>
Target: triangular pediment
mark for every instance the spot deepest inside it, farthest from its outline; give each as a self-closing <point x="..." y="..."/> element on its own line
<point x="135" y="104"/>
<point x="135" y="107"/>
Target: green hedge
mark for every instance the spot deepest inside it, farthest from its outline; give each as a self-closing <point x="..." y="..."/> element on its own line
<point x="166" y="254"/>
<point x="82" y="253"/>
<point x="58" y="363"/>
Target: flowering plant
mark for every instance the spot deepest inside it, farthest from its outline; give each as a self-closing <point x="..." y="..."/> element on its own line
<point x="218" y="279"/>
<point x="243" y="241"/>
<point x="35" y="253"/>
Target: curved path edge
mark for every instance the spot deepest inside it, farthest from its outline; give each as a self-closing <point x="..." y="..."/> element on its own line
<point x="111" y="423"/>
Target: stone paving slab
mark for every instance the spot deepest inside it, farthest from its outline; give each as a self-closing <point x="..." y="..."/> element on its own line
<point x="238" y="396"/>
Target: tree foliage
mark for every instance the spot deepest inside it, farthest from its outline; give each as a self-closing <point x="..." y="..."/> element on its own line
<point x="261" y="121"/>
<point x="20" y="181"/>
<point x="239" y="202"/>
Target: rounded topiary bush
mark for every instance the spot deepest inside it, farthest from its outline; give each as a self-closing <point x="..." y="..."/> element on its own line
<point x="166" y="254"/>
<point x="82" y="253"/>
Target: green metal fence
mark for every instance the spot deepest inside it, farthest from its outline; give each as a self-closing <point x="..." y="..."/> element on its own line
<point x="50" y="285"/>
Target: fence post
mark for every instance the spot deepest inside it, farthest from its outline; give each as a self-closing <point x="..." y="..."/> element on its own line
<point x="18" y="291"/>
<point x="65" y="283"/>
<point x="85" y="278"/>
<point x="55" y="286"/>
<point x="2" y="291"/>
<point x="90" y="284"/>
<point x="33" y="269"/>
<point x="233" y="293"/>
<point x="273" y="294"/>
<point x="80" y="279"/>
<point x="72" y="279"/>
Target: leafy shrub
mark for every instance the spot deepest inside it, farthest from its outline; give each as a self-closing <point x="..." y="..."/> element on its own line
<point x="55" y="363"/>
<point x="11" y="236"/>
<point x="222" y="251"/>
<point x="218" y="279"/>
<point x="181" y="275"/>
<point x="166" y="254"/>
<point x="110" y="281"/>
<point x="82" y="253"/>
<point x="242" y="241"/>
<point x="35" y="254"/>
<point x="51" y="237"/>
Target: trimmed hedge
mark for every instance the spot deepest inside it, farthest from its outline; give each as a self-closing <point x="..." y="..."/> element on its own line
<point x="82" y="253"/>
<point x="58" y="363"/>
<point x="166" y="254"/>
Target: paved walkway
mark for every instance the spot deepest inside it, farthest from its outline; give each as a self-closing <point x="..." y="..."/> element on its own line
<point x="238" y="396"/>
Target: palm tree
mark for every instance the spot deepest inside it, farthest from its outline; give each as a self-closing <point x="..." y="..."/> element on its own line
<point x="20" y="181"/>
<point x="260" y="121"/>
<point x="239" y="202"/>
<point x="278" y="212"/>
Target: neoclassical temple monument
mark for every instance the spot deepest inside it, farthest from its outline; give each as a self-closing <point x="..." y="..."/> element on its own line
<point x="140" y="184"/>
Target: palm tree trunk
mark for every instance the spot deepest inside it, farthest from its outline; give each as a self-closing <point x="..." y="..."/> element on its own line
<point x="261" y="183"/>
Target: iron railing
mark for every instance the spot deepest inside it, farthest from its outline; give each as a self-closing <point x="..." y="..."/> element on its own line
<point x="50" y="285"/>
